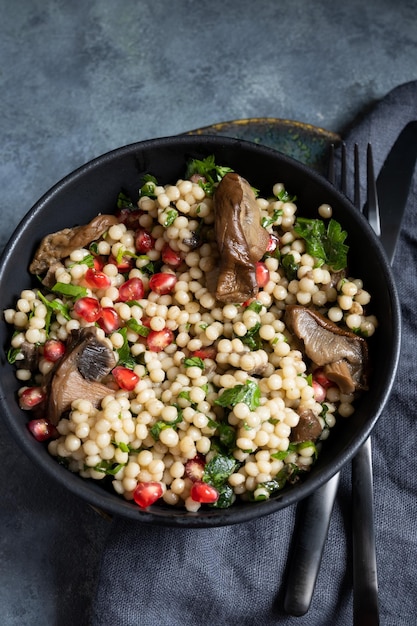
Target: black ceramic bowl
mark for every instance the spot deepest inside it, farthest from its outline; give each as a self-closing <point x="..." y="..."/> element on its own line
<point x="93" y="188"/>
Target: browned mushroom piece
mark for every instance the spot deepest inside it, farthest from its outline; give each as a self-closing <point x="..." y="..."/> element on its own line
<point x="78" y="374"/>
<point x="307" y="429"/>
<point x="59" y="245"/>
<point x="241" y="239"/>
<point x="342" y="354"/>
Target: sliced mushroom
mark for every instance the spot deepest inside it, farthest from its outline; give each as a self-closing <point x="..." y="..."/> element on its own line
<point x="342" y="354"/>
<point x="307" y="429"/>
<point x="59" y="245"/>
<point x="241" y="239"/>
<point x="78" y="374"/>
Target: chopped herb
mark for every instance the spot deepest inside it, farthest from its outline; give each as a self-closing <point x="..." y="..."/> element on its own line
<point x="194" y="361"/>
<point x="208" y="170"/>
<point x="185" y="395"/>
<point x="109" y="468"/>
<point x="55" y="306"/>
<point x="203" y="326"/>
<point x="160" y="425"/>
<point x="137" y="328"/>
<point x="248" y="393"/>
<point x="124" y="202"/>
<point x="12" y="353"/>
<point x="282" y="454"/>
<point x="254" y="306"/>
<point x="290" y="266"/>
<point x="87" y="260"/>
<point x="226" y="497"/>
<point x="226" y="436"/>
<point x="326" y="245"/>
<point x="125" y="356"/>
<point x="71" y="291"/>
<point x="171" y="216"/>
<point x="218" y="469"/>
<point x="149" y="183"/>
<point x="252" y="338"/>
<point x="270" y="221"/>
<point x="284" y="196"/>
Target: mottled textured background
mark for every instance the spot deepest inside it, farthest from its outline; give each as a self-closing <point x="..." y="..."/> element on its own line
<point x="80" y="78"/>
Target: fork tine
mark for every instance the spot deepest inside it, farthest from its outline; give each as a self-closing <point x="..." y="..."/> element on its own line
<point x="343" y="170"/>
<point x="357" y="180"/>
<point x="371" y="209"/>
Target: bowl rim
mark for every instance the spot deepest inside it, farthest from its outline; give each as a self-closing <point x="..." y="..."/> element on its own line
<point x="92" y="492"/>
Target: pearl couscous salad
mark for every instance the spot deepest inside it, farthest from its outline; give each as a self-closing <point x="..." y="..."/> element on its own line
<point x="197" y="346"/>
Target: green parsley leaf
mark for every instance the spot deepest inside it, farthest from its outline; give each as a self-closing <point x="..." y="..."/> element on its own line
<point x="254" y="306"/>
<point x="125" y="356"/>
<point x="326" y="245"/>
<point x="284" y="196"/>
<point x="138" y="328"/>
<point x="248" y="393"/>
<point x="171" y="216"/>
<point x="209" y="170"/>
<point x="218" y="470"/>
<point x="194" y="361"/>
<point x="160" y="425"/>
<point x="252" y="338"/>
<point x="108" y="467"/>
<point x="290" y="266"/>
<point x="271" y="220"/>
<point x="149" y="183"/>
<point x="71" y="291"/>
<point x="124" y="202"/>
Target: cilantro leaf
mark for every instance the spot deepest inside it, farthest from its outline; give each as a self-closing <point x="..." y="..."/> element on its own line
<point x="248" y="393"/>
<point x="290" y="266"/>
<point x="160" y="425"/>
<point x="252" y="338"/>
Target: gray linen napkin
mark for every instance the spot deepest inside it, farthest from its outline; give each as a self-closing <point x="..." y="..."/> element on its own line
<point x="229" y="576"/>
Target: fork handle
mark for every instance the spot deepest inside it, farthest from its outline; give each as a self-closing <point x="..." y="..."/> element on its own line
<point x="365" y="583"/>
<point x="313" y="515"/>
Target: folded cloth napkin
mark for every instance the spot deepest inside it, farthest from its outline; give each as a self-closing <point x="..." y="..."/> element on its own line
<point x="155" y="576"/>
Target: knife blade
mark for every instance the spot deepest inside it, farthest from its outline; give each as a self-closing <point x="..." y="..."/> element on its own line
<point x="393" y="185"/>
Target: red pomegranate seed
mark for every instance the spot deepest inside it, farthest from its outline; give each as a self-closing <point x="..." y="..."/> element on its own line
<point x="125" y="377"/>
<point x="194" y="468"/>
<point x="109" y="320"/>
<point x="42" y="429"/>
<point x="88" y="308"/>
<point x="157" y="340"/>
<point x="97" y="279"/>
<point x="204" y="493"/>
<point x="143" y="241"/>
<point x="171" y="257"/>
<point x="262" y="274"/>
<point x="53" y="350"/>
<point x="129" y="217"/>
<point x="132" y="289"/>
<point x="208" y="352"/>
<point x="146" y="494"/>
<point x="319" y="392"/>
<point x="31" y="397"/>
<point x="98" y="263"/>
<point x="162" y="283"/>
<point x="273" y="243"/>
<point x="124" y="264"/>
<point x="320" y="377"/>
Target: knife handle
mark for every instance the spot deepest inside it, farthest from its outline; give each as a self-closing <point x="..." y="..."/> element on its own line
<point x="313" y="517"/>
<point x="365" y="583"/>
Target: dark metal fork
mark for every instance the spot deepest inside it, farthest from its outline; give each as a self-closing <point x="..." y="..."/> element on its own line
<point x="316" y="510"/>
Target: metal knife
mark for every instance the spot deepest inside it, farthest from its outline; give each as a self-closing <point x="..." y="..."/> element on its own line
<point x="313" y="513"/>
